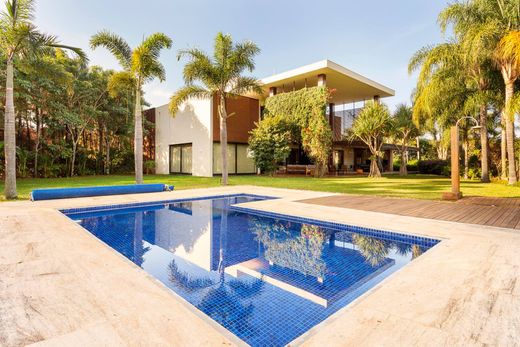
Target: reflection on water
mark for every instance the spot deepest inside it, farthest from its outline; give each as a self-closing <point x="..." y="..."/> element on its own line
<point x="266" y="280"/>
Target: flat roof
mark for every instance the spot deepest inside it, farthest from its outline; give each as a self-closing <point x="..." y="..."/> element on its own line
<point x="349" y="86"/>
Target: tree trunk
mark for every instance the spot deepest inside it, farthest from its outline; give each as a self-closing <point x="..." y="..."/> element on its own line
<point x="10" y="135"/>
<point x="403" y="170"/>
<point x="73" y="162"/>
<point x="138" y="137"/>
<point x="374" y="168"/>
<point x="223" y="139"/>
<point x="503" y="147"/>
<point x="484" y="157"/>
<point x="37" y="143"/>
<point x="466" y="158"/>
<point x="107" y="151"/>
<point x="510" y="135"/>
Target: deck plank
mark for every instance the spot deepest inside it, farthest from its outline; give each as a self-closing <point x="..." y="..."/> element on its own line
<point x="498" y="212"/>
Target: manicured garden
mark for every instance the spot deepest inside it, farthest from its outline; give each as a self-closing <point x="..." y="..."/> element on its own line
<point x="412" y="186"/>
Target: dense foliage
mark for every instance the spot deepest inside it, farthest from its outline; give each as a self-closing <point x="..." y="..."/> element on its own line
<point x="305" y="109"/>
<point x="473" y="74"/>
<point x="270" y="143"/>
<point x="67" y="122"/>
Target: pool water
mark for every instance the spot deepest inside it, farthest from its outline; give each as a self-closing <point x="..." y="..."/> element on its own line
<point x="266" y="278"/>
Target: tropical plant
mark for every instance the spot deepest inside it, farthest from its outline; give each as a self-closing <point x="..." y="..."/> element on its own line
<point x="491" y="30"/>
<point x="371" y="126"/>
<point x="305" y="111"/>
<point x="141" y="65"/>
<point x="404" y="129"/>
<point x="269" y="143"/>
<point x="222" y="77"/>
<point x="19" y="39"/>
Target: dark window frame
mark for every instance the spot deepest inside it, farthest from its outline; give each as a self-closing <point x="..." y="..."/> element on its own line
<point x="236" y="159"/>
<point x="180" y="145"/>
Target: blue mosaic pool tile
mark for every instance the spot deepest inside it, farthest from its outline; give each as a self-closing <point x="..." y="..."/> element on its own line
<point x="266" y="277"/>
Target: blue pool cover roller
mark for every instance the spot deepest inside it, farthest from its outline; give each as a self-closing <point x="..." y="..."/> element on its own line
<point x="63" y="193"/>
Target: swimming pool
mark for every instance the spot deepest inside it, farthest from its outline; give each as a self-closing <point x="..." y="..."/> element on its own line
<point x="267" y="278"/>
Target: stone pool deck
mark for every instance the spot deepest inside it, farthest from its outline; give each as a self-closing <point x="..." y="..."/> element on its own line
<point x="60" y="286"/>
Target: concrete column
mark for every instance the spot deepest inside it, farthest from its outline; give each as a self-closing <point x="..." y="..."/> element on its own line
<point x="376" y="98"/>
<point x="322" y="80"/>
<point x="272" y="91"/>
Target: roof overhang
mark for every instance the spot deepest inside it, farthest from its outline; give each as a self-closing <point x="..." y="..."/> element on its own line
<point x="348" y="86"/>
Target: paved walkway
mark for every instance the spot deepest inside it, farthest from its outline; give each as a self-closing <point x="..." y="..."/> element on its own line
<point x="497" y="212"/>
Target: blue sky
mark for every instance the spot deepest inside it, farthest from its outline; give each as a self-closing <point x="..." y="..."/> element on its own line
<point x="374" y="38"/>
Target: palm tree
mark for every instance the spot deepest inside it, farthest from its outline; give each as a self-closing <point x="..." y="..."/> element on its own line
<point x="221" y="76"/>
<point x="490" y="29"/>
<point x="19" y="38"/>
<point x="507" y="57"/>
<point x="404" y="129"/>
<point x="140" y="65"/>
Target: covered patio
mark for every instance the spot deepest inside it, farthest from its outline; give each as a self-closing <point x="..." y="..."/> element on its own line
<point x="350" y="91"/>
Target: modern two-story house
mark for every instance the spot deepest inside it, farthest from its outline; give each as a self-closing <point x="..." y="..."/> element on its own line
<point x="188" y="142"/>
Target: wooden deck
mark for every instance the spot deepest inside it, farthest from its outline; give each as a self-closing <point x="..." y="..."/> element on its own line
<point x="498" y="212"/>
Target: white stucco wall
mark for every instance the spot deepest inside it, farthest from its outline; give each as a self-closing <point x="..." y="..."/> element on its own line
<point x="192" y="124"/>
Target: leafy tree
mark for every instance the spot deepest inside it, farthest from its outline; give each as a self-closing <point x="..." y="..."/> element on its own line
<point x="371" y="126"/>
<point x="140" y="65"/>
<point x="404" y="130"/>
<point x="305" y="110"/>
<point x="221" y="76"/>
<point x="19" y="38"/>
<point x="269" y="143"/>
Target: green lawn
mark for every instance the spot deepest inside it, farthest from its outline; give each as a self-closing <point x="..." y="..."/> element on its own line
<point x="413" y="186"/>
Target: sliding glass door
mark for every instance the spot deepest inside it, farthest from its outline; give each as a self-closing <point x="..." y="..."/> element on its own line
<point x="181" y="158"/>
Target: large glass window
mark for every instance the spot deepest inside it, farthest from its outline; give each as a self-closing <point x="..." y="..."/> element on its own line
<point x="245" y="162"/>
<point x="181" y="158"/>
<point x="239" y="159"/>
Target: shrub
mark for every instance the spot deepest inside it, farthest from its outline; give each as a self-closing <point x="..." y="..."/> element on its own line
<point x="433" y="167"/>
<point x="269" y="143"/>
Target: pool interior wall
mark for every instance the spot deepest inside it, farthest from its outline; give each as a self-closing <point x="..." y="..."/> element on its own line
<point x="267" y="278"/>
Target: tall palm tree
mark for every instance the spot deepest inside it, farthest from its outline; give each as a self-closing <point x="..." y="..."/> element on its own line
<point x="141" y="65"/>
<point x="221" y="76"/>
<point x="404" y="129"/>
<point x="491" y="24"/>
<point x="19" y="39"/>
<point x="507" y="57"/>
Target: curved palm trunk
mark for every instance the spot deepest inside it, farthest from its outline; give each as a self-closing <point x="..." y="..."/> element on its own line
<point x="223" y="140"/>
<point x="138" y="137"/>
<point x="510" y="136"/>
<point x="10" y="135"/>
<point x="484" y="157"/>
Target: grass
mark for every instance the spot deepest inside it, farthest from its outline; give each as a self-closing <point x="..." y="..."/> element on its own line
<point x="412" y="186"/>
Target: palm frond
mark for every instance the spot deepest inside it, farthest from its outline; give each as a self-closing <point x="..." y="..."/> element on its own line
<point x="115" y="44"/>
<point x="243" y="85"/>
<point x="185" y="93"/>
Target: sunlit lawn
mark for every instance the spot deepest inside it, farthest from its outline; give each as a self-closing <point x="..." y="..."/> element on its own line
<point x="413" y="186"/>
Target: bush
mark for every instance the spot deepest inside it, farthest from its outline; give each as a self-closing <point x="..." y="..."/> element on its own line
<point x="269" y="143"/>
<point x="433" y="167"/>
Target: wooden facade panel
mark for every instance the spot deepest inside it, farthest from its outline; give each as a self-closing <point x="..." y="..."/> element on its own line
<point x="247" y="112"/>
